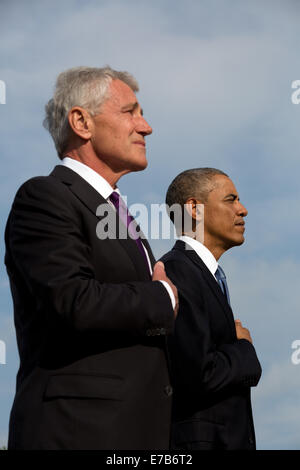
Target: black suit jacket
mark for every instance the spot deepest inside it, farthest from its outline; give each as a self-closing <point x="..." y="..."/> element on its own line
<point x="212" y="370"/>
<point x="90" y="326"/>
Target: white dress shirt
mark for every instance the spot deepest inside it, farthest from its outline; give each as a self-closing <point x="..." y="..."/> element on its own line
<point x="207" y="257"/>
<point x="105" y="189"/>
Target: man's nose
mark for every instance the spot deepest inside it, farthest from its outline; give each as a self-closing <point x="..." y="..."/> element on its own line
<point x="142" y="126"/>
<point x="243" y="211"/>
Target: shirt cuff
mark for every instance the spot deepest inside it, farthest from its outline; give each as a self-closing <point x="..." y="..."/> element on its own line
<point x="170" y="292"/>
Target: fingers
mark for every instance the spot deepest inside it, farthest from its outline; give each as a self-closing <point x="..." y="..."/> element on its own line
<point x="241" y="332"/>
<point x="159" y="272"/>
<point x="159" y="264"/>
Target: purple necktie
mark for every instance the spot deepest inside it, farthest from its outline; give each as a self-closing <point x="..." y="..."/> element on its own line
<point x="126" y="218"/>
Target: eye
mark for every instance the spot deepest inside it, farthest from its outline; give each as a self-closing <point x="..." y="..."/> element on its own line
<point x="230" y="199"/>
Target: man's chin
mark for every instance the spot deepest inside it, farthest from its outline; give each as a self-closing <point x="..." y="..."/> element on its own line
<point x="239" y="242"/>
<point x="139" y="166"/>
<point x="235" y="242"/>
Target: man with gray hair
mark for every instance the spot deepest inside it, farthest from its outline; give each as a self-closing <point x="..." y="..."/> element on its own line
<point x="213" y="361"/>
<point x="91" y="313"/>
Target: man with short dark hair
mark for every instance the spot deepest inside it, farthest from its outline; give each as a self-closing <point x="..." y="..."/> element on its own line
<point x="91" y="317"/>
<point x="213" y="360"/>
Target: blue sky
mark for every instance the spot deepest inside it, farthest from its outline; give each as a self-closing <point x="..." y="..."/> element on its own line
<point x="215" y="84"/>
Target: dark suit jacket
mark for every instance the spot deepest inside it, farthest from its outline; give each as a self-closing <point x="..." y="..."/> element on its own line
<point x="212" y="370"/>
<point x="90" y="326"/>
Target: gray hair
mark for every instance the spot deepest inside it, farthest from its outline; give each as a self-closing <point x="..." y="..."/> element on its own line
<point x="196" y="183"/>
<point x="87" y="87"/>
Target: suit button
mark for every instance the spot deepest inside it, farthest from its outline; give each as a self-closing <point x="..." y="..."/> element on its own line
<point x="168" y="390"/>
<point x="251" y="441"/>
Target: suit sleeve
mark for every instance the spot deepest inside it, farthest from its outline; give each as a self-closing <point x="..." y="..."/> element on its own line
<point x="198" y="363"/>
<point x="51" y="257"/>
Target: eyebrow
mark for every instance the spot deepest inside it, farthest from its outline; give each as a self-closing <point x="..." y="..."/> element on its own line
<point x="132" y="106"/>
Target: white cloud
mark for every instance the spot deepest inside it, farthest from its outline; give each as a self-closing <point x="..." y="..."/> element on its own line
<point x="3" y="440"/>
<point x="276" y="409"/>
<point x="264" y="296"/>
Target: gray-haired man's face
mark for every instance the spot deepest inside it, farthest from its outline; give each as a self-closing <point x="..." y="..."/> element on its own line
<point x="119" y="131"/>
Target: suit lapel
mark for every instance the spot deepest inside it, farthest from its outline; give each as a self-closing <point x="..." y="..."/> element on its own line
<point x="148" y="248"/>
<point x="209" y="278"/>
<point x="92" y="199"/>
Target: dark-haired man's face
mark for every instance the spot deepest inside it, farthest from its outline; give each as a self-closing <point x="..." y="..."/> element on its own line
<point x="224" y="224"/>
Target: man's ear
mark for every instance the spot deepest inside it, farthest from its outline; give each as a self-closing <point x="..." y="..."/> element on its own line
<point x="194" y="208"/>
<point x="80" y="122"/>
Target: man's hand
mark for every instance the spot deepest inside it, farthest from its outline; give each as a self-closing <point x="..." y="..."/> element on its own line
<point x="159" y="274"/>
<point x="241" y="332"/>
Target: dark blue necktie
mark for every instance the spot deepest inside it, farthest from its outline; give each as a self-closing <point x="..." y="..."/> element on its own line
<point x="221" y="278"/>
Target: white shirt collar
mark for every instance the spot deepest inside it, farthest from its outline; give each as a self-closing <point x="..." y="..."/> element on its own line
<point x="207" y="257"/>
<point x="104" y="189"/>
<point x="90" y="176"/>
